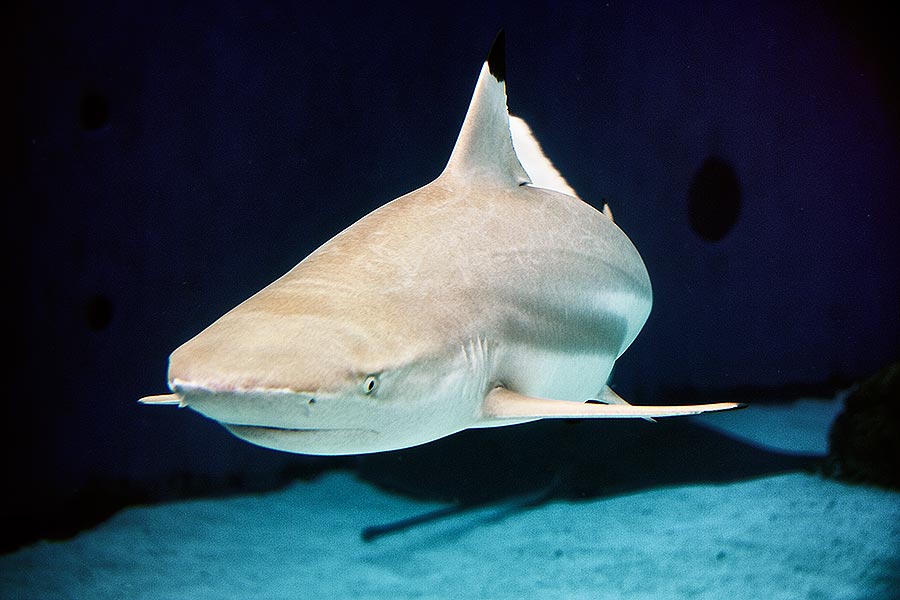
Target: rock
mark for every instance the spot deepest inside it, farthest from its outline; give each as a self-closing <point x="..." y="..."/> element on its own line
<point x="864" y="442"/>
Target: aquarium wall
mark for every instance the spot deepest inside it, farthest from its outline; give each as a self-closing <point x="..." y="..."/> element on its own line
<point x="170" y="160"/>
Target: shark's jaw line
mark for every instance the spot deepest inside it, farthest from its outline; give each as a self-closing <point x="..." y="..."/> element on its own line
<point x="184" y="388"/>
<point x="301" y="430"/>
<point x="483" y="299"/>
<point x="313" y="441"/>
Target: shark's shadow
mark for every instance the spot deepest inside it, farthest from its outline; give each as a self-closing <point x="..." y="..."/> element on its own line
<point x="573" y="460"/>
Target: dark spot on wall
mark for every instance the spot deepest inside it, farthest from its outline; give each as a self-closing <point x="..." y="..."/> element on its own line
<point x="98" y="312"/>
<point x="714" y="199"/>
<point x="93" y="111"/>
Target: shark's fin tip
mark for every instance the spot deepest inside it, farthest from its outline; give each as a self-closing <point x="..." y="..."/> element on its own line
<point x="496" y="58"/>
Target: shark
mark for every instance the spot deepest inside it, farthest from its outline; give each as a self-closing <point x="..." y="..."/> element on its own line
<point x="491" y="296"/>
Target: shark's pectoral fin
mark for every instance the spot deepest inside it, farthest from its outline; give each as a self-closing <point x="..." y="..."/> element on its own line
<point x="502" y="405"/>
<point x="608" y="396"/>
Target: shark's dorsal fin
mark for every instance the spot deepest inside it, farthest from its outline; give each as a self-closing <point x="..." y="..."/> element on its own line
<point x="484" y="148"/>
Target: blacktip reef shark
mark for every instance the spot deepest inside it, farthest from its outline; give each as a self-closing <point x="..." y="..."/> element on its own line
<point x="491" y="296"/>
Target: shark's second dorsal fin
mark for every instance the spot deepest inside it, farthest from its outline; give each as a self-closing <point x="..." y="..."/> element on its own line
<point x="484" y="149"/>
<point x="539" y="168"/>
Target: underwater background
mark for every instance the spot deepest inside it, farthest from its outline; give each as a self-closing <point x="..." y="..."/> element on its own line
<point x="168" y="160"/>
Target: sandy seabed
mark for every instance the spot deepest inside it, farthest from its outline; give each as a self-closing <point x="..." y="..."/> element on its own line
<point x="787" y="536"/>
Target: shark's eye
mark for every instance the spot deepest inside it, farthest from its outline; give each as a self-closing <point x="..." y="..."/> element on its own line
<point x="370" y="384"/>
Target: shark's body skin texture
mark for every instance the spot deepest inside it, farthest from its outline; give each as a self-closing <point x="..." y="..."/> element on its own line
<point x="477" y="300"/>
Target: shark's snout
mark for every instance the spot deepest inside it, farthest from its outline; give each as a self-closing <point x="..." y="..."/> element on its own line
<point x="255" y="349"/>
<point x="263" y="408"/>
<point x="284" y="420"/>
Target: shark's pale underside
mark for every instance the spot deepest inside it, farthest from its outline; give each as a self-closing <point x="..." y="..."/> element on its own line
<point x="491" y="296"/>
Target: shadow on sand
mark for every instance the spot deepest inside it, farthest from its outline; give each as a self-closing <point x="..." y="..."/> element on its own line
<point x="527" y="465"/>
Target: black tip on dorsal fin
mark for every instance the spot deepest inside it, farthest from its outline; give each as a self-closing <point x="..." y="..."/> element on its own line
<point x="496" y="59"/>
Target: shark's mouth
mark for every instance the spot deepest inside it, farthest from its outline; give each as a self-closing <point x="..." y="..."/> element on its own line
<point x="306" y="440"/>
